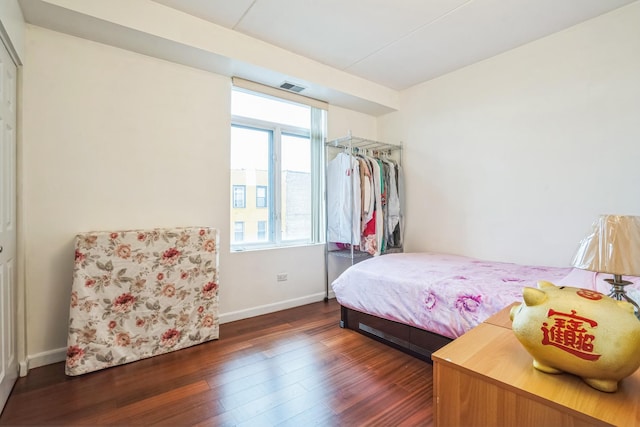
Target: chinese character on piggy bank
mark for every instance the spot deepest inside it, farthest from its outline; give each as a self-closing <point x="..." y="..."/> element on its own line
<point x="578" y="331"/>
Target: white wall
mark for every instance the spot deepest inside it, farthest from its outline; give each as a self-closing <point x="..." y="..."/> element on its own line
<point x="114" y="139"/>
<point x="513" y="158"/>
<point x="343" y="121"/>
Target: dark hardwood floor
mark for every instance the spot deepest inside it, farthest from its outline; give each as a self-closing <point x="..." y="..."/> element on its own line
<point x="296" y="367"/>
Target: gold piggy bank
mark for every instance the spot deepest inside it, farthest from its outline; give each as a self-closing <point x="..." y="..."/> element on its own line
<point x="578" y="331"/>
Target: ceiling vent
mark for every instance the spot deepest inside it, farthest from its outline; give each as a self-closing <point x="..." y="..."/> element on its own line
<point x="292" y="87"/>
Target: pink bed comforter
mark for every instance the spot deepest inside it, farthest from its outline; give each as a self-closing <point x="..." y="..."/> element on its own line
<point x="448" y="294"/>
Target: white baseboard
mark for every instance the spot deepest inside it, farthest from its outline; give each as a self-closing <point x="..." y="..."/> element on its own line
<point x="270" y="308"/>
<point x="60" y="354"/>
<point x="42" y="359"/>
<point x="23" y="368"/>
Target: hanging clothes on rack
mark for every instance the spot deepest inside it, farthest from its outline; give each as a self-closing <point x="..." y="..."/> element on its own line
<point x="363" y="199"/>
<point x="393" y="203"/>
<point x="366" y="197"/>
<point x="343" y="199"/>
<point x="367" y="239"/>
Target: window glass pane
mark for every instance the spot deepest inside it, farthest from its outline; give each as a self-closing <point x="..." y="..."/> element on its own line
<point x="249" y="148"/>
<point x="296" y="187"/>
<point x="262" y="230"/>
<point x="250" y="153"/>
<point x="269" y="109"/>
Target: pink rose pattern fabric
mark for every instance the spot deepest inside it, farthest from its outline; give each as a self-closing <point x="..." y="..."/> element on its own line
<point x="141" y="293"/>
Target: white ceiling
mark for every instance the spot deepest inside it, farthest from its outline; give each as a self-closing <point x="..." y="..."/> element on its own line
<point x="396" y="43"/>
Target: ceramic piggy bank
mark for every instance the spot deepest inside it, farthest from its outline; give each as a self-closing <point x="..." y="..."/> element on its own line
<point x="578" y="331"/>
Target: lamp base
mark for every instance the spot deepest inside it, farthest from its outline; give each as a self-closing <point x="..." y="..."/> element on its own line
<point x="618" y="293"/>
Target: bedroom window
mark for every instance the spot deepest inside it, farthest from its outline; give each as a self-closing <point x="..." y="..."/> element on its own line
<point x="277" y="159"/>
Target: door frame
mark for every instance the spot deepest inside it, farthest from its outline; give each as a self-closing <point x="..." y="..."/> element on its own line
<point x="17" y="24"/>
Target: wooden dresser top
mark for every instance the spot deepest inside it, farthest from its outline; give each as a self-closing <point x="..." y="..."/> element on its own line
<point x="492" y="351"/>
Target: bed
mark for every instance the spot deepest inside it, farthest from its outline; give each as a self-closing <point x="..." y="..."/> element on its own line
<point x="419" y="302"/>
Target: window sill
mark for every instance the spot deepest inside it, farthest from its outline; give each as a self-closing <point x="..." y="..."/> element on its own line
<point x="237" y="250"/>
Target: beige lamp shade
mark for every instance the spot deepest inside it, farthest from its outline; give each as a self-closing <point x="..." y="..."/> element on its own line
<point x="612" y="247"/>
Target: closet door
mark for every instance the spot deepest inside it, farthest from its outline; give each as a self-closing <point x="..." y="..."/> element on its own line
<point x="8" y="358"/>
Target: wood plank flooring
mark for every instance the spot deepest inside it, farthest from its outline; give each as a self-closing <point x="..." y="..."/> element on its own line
<point x="296" y="367"/>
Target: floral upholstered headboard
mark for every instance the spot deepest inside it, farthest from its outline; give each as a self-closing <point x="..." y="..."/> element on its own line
<point x="141" y="293"/>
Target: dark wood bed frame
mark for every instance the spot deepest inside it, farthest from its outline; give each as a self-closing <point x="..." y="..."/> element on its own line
<point x="409" y="339"/>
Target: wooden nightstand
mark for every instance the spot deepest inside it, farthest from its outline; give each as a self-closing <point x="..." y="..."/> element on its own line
<point x="486" y="378"/>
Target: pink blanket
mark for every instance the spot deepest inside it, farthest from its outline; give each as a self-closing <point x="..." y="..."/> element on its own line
<point x="448" y="294"/>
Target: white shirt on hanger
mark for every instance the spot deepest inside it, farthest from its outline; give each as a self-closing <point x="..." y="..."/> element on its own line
<point x="343" y="199"/>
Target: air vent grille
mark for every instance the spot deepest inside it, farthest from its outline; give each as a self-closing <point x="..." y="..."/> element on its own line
<point x="292" y="87"/>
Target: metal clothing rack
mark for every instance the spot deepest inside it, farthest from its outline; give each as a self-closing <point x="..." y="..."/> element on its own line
<point x="354" y="145"/>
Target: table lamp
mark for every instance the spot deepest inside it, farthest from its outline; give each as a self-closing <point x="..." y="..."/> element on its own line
<point x="613" y="247"/>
